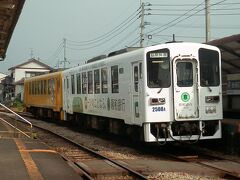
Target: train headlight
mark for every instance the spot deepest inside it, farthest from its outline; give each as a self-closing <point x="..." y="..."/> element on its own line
<point x="211" y="99"/>
<point x="157" y="101"/>
<point x="210" y="110"/>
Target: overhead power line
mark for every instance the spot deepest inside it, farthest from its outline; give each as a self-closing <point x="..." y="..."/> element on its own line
<point x="181" y="18"/>
<point x="109" y="33"/>
<point x="187" y="5"/>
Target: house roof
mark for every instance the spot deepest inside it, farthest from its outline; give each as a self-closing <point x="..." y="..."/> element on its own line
<point x="10" y="11"/>
<point x="32" y="61"/>
<point x="230" y="52"/>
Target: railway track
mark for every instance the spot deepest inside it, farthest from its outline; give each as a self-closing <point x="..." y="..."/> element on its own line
<point x="227" y="167"/>
<point x="81" y="157"/>
<point x="83" y="162"/>
<point x="81" y="154"/>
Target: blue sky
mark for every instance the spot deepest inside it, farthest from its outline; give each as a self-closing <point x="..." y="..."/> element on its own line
<point x="92" y="27"/>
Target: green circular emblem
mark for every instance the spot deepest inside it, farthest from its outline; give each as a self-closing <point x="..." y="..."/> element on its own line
<point x="185" y="97"/>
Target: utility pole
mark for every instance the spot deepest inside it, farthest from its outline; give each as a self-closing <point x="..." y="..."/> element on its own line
<point x="207" y="20"/>
<point x="31" y="53"/>
<point x="64" y="53"/>
<point x="142" y="24"/>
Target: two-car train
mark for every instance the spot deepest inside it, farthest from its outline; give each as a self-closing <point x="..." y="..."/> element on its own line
<point x="159" y="93"/>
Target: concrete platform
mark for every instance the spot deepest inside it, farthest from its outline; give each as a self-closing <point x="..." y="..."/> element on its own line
<point x="31" y="159"/>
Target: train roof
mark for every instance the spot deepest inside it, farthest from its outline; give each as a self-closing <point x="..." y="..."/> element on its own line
<point x="134" y="51"/>
<point x="44" y="76"/>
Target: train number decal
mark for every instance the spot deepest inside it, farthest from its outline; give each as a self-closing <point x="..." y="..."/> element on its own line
<point x="158" y="109"/>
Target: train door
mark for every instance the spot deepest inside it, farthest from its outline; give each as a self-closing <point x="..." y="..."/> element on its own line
<point x="135" y="91"/>
<point x="185" y="89"/>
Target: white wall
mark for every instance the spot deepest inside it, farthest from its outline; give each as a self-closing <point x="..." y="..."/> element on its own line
<point x="20" y="73"/>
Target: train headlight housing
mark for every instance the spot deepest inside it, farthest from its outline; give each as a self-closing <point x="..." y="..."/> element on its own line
<point x="212" y="99"/>
<point x="157" y="101"/>
<point x="210" y="110"/>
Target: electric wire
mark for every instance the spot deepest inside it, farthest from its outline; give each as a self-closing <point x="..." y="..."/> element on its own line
<point x="105" y="40"/>
<point x="121" y="41"/>
<point x="185" y="5"/>
<point x="105" y="35"/>
<point x="57" y="52"/>
<point x="169" y="24"/>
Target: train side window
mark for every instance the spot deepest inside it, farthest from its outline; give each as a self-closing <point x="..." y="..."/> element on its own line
<point x="45" y="86"/>
<point x="84" y="82"/>
<point x="73" y="84"/>
<point x="79" y="83"/>
<point x="38" y="88"/>
<point x="67" y="83"/>
<point x="96" y="81"/>
<point x="136" y="78"/>
<point x="30" y="88"/>
<point x="58" y="85"/>
<point x="140" y="71"/>
<point x="104" y="80"/>
<point x="42" y="87"/>
<point x="33" y="88"/>
<point x="53" y="87"/>
<point x="90" y="82"/>
<point x="114" y="78"/>
<point x="49" y="86"/>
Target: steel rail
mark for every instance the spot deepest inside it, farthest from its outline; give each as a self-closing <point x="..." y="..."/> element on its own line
<point x="131" y="171"/>
<point x="227" y="173"/>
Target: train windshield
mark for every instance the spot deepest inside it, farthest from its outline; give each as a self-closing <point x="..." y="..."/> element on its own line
<point x="209" y="68"/>
<point x="184" y="74"/>
<point x="158" y="69"/>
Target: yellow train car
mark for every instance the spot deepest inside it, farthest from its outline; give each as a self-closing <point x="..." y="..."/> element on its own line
<point x="43" y="95"/>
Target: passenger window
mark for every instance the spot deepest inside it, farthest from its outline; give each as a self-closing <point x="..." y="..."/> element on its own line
<point x="73" y="84"/>
<point x="45" y="86"/>
<point x="96" y="81"/>
<point x="38" y="87"/>
<point x="49" y="86"/>
<point x="140" y="71"/>
<point x="33" y="88"/>
<point x="114" y="76"/>
<point x="67" y="83"/>
<point x="90" y="82"/>
<point x="30" y="88"/>
<point x="78" y="83"/>
<point x="42" y="87"/>
<point x="84" y="83"/>
<point x="104" y="80"/>
<point x="136" y="79"/>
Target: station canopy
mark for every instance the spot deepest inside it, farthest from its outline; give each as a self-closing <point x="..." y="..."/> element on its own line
<point x="10" y="11"/>
<point x="230" y="52"/>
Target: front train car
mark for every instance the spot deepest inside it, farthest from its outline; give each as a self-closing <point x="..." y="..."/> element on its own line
<point x="160" y="93"/>
<point x="183" y="92"/>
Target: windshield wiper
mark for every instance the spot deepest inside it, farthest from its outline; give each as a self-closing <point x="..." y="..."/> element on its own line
<point x="209" y="88"/>
<point x="159" y="90"/>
